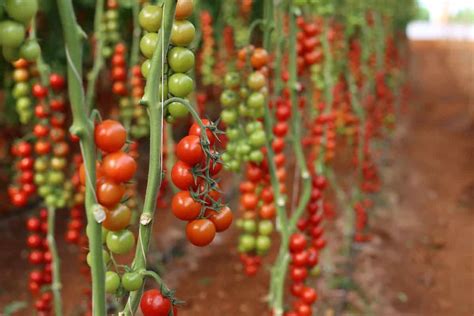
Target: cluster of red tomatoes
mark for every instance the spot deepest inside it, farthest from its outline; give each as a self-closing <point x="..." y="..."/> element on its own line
<point x="51" y="145"/>
<point x="24" y="188"/>
<point x="309" y="44"/>
<point x="41" y="258"/>
<point x="199" y="202"/>
<point x="206" y="57"/>
<point x="257" y="204"/>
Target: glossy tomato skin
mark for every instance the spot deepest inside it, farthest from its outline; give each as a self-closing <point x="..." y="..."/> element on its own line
<point x="195" y="129"/>
<point x="189" y="150"/>
<point x="182" y="176"/>
<point x="184" y="9"/>
<point x="297" y="242"/>
<point x="153" y="303"/>
<point x="222" y="219"/>
<point x="117" y="218"/>
<point x="109" y="193"/>
<point x="119" y="166"/>
<point x="110" y="136"/>
<point x="184" y="207"/>
<point x="200" y="232"/>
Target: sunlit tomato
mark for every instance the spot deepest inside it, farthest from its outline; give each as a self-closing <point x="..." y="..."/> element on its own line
<point x="303" y="310"/>
<point x="299" y="259"/>
<point x="119" y="166"/>
<point x="19" y="199"/>
<point x="259" y="58"/>
<point x="153" y="303"/>
<point x="34" y="241"/>
<point x="200" y="232"/>
<point x="109" y="193"/>
<point x="56" y="81"/>
<point x="283" y="113"/>
<point x="280" y="129"/>
<point x="39" y="91"/>
<point x="249" y="201"/>
<point x="36" y="257"/>
<point x="26" y="163"/>
<point x="120" y="242"/>
<point x="182" y="176"/>
<point x="189" y="150"/>
<point x="297" y="242"/>
<point x="184" y="9"/>
<point x="222" y="219"/>
<point x="182" y="33"/>
<point x="184" y="206"/>
<point x="195" y="129"/>
<point x="33" y="224"/>
<point x="267" y="211"/>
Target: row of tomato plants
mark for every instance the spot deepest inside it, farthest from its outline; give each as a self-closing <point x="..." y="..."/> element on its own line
<point x="313" y="77"/>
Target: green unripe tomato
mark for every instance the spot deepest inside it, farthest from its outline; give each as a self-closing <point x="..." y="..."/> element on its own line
<point x="148" y="44"/>
<point x="229" y="98"/>
<point x="243" y="110"/>
<point x="112" y="282"/>
<point x="256" y="100"/>
<point x="246" y="243"/>
<point x="182" y="33"/>
<point x="60" y="202"/>
<point x="21" y="10"/>
<point x="10" y="53"/>
<point x="44" y="190"/>
<point x="150" y="18"/>
<point x="12" y="34"/>
<point x="111" y="15"/>
<point x="58" y="163"/>
<point x="132" y="281"/>
<point x="163" y="92"/>
<point x="30" y="50"/>
<point x="180" y="59"/>
<point x="232" y="133"/>
<point x="145" y="68"/>
<point x="243" y="149"/>
<point x="56" y="177"/>
<point x="112" y="26"/>
<point x="229" y="117"/>
<point x="105" y="256"/>
<point x="23" y="104"/>
<point x="105" y="232"/>
<point x="256" y="81"/>
<point x="41" y="165"/>
<point x="265" y="227"/>
<point x="263" y="244"/>
<point x="120" y="242"/>
<point x="20" y="89"/>
<point x="250" y="226"/>
<point x="180" y="85"/>
<point x="257" y="138"/>
<point x="232" y="80"/>
<point x="244" y="92"/>
<point x="177" y="110"/>
<point x="234" y="165"/>
<point x="256" y="156"/>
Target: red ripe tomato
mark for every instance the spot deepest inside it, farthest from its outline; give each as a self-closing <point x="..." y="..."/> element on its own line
<point x="303" y="310"/>
<point x="298" y="274"/>
<point x="247" y="187"/>
<point x="26" y="177"/>
<point x="40" y="130"/>
<point x="309" y="295"/>
<point x="280" y="129"/>
<point x="56" y="82"/>
<point x="119" y="74"/>
<point x="182" y="176"/>
<point x="283" y="113"/>
<point x="33" y="241"/>
<point x="110" y="136"/>
<point x="82" y="172"/>
<point x="23" y="149"/>
<point x="278" y="144"/>
<point x="153" y="303"/>
<point x="119" y="166"/>
<point x="313" y="257"/>
<point x="249" y="201"/>
<point x="118" y="60"/>
<point x="39" y="91"/>
<point x="19" y="199"/>
<point x="267" y="211"/>
<point x="33" y="224"/>
<point x="184" y="206"/>
<point x="317" y="232"/>
<point x="72" y="236"/>
<point x="251" y="270"/>
<point x="195" y="129"/>
<point x="119" y="88"/>
<point x="36" y="257"/>
<point x="200" y="232"/>
<point x="109" y="193"/>
<point x="259" y="58"/>
<point x="279" y="160"/>
<point x="254" y="173"/>
<point x="26" y="163"/>
<point x="222" y="219"/>
<point x="299" y="259"/>
<point x="189" y="150"/>
<point x="42" y="147"/>
<point x="297" y="288"/>
<point x="214" y="166"/>
<point x="57" y="105"/>
<point x="297" y="242"/>
<point x="267" y="195"/>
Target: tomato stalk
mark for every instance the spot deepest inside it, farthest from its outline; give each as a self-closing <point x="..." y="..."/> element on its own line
<point x="151" y="99"/>
<point x="83" y="127"/>
<point x="56" y="275"/>
<point x="281" y="265"/>
<point x="98" y="57"/>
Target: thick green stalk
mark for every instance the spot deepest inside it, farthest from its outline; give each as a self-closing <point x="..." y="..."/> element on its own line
<point x="83" y="127"/>
<point x="98" y="58"/>
<point x="56" y="274"/>
<point x="281" y="265"/>
<point x="152" y="99"/>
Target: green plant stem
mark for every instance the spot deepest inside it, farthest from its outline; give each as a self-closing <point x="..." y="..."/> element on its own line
<point x="281" y="265"/>
<point x="83" y="127"/>
<point x="155" y="112"/>
<point x="98" y="57"/>
<point x="56" y="274"/>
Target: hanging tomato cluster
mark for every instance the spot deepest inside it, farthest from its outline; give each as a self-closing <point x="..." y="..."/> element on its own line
<point x="243" y="101"/>
<point x="155" y="303"/>
<point x="21" y="91"/>
<point x="199" y="202"/>
<point x="110" y="28"/>
<point x="23" y="187"/>
<point x="40" y="278"/>
<point x="206" y="57"/>
<point x="13" y="29"/>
